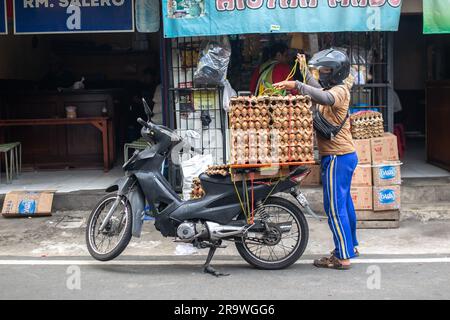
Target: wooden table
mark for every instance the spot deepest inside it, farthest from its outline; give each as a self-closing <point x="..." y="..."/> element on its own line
<point x="104" y="124"/>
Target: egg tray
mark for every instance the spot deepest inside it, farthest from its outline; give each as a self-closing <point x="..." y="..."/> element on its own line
<point x="367" y="124"/>
<point x="197" y="191"/>
<point x="258" y="122"/>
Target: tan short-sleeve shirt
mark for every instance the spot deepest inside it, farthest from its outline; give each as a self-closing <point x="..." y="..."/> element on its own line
<point x="343" y="142"/>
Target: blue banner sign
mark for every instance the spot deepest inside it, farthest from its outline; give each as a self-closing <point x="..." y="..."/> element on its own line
<point x="184" y="18"/>
<point x="3" y="18"/>
<point x="73" y="16"/>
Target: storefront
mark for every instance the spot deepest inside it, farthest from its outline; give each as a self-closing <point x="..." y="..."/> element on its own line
<point x="72" y="76"/>
<point x="363" y="31"/>
<point x="421" y="73"/>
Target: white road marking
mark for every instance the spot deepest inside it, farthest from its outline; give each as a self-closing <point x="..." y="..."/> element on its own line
<point x="198" y="262"/>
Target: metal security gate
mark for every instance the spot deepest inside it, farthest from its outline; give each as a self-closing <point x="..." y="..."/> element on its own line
<point x="195" y="112"/>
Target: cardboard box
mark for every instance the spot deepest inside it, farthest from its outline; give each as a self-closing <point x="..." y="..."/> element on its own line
<point x="314" y="178"/>
<point x="362" y="176"/>
<point x="363" y="150"/>
<point x="362" y="198"/>
<point x="387" y="174"/>
<point x="386" y="198"/>
<point x="384" y="148"/>
<point x="27" y="204"/>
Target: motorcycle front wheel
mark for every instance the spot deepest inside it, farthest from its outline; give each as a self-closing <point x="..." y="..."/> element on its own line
<point x="113" y="239"/>
<point x="277" y="249"/>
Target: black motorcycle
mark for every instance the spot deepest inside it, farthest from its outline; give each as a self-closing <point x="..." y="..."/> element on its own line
<point x="270" y="232"/>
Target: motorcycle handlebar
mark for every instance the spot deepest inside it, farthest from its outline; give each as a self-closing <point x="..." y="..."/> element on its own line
<point x="143" y="123"/>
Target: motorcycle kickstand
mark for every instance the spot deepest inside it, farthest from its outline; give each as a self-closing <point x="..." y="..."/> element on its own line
<point x="207" y="266"/>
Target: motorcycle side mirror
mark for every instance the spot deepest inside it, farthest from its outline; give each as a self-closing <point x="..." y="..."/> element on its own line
<point x="147" y="109"/>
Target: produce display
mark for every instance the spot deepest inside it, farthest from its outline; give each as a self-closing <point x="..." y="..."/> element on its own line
<point x="271" y="129"/>
<point x="366" y="125"/>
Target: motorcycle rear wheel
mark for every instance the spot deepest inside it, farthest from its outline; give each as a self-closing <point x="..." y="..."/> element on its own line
<point x="119" y="227"/>
<point x="292" y="249"/>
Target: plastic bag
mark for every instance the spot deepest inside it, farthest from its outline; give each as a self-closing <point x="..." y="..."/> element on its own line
<point x="213" y="63"/>
<point x="228" y="92"/>
<point x="192" y="168"/>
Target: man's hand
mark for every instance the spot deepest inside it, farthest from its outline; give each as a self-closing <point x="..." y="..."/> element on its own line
<point x="285" y="85"/>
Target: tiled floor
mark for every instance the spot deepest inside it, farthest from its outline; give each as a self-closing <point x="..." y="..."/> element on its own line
<point x="414" y="161"/>
<point x="62" y="180"/>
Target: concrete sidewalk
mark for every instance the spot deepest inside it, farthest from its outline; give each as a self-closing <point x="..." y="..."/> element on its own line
<point x="63" y="235"/>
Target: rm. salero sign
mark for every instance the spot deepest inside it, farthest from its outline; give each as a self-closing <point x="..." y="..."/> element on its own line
<point x="73" y="16"/>
<point x="220" y="17"/>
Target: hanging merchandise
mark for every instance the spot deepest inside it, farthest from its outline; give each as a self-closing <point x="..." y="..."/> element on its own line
<point x="213" y="63"/>
<point x="147" y="15"/>
<point x="228" y="93"/>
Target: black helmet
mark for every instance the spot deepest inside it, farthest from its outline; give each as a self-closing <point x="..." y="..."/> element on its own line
<point x="337" y="61"/>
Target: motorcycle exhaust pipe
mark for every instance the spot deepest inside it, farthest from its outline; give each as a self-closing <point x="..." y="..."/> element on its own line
<point x="218" y="231"/>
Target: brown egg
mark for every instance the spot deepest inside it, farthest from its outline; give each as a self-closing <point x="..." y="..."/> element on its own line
<point x="244" y="112"/>
<point x="257" y="125"/>
<point x="292" y="137"/>
<point x="257" y="112"/>
<point x="306" y="150"/>
<point x="298" y="111"/>
<point x="237" y="126"/>
<point x="305" y="111"/>
<point x="291" y="110"/>
<point x="244" y="125"/>
<point x="277" y="112"/>
<point x="250" y="111"/>
<point x="305" y="123"/>
<point x="284" y="111"/>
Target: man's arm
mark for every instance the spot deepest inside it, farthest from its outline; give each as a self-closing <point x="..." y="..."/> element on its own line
<point x="310" y="80"/>
<point x="317" y="95"/>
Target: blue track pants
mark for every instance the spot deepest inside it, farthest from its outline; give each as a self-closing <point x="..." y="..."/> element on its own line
<point x="337" y="172"/>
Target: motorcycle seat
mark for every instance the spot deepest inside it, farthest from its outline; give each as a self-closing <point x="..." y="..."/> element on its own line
<point x="215" y="179"/>
<point x="299" y="170"/>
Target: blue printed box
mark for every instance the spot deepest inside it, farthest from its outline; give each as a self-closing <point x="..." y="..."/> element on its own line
<point x="386" y="174"/>
<point x="27" y="204"/>
<point x="386" y="198"/>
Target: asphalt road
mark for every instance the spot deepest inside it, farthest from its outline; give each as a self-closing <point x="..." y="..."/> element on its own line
<point x="372" y="277"/>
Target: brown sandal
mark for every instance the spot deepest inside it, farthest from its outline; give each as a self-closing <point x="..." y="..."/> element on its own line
<point x="356" y="252"/>
<point x="331" y="263"/>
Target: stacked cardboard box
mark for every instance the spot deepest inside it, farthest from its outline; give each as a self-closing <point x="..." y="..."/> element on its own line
<point x="376" y="182"/>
